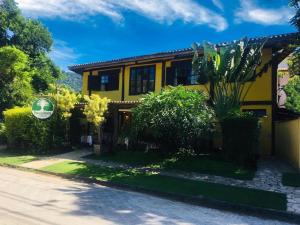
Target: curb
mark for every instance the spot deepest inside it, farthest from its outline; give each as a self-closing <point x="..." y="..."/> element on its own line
<point x="198" y="201"/>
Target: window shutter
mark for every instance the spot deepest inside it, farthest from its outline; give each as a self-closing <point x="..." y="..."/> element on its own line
<point x="170" y="76"/>
<point x="90" y="82"/>
<point x="115" y="80"/>
<point x="93" y="83"/>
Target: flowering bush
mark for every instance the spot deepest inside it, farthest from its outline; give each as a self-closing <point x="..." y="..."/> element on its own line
<point x="65" y="100"/>
<point x="94" y="110"/>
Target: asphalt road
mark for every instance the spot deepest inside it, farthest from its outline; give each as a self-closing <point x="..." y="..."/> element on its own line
<point x="33" y="199"/>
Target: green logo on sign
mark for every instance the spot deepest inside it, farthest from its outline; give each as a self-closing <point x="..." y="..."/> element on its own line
<point x="42" y="108"/>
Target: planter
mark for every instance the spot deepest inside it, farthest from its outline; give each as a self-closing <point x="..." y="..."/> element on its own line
<point x="97" y="149"/>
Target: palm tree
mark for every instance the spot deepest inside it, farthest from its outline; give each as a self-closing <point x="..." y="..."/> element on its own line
<point x="295" y="19"/>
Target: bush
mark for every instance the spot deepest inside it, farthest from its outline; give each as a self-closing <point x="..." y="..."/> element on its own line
<point x="175" y="118"/>
<point x="25" y="132"/>
<point x="240" y="137"/>
<point x="292" y="90"/>
<point x="2" y="134"/>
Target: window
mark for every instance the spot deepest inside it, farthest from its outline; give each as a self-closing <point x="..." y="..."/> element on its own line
<point x="142" y="80"/>
<point x="181" y="73"/>
<point x="105" y="81"/>
<point x="109" y="80"/>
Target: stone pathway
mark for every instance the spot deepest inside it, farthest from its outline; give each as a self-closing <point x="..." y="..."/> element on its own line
<point x="267" y="177"/>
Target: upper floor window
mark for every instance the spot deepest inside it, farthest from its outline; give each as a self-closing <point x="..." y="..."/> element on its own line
<point x="105" y="81"/>
<point x="181" y="73"/>
<point x="142" y="80"/>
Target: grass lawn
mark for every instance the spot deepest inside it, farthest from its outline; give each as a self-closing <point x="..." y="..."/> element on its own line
<point x="193" y="164"/>
<point x="253" y="197"/>
<point x="291" y="179"/>
<point x="13" y="159"/>
<point x="131" y="158"/>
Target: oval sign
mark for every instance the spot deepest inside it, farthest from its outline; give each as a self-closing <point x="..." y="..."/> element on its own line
<point x="42" y="108"/>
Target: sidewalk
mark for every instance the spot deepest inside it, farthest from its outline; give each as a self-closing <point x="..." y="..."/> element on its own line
<point x="46" y="161"/>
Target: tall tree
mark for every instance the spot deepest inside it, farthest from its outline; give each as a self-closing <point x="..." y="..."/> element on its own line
<point x="15" y="78"/>
<point x="31" y="37"/>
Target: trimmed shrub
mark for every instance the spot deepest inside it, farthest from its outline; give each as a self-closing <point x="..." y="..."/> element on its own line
<point x="240" y="137"/>
<point x="2" y="134"/>
<point x="25" y="132"/>
<point x="173" y="119"/>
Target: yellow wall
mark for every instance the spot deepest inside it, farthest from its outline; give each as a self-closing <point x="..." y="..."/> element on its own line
<point x="261" y="89"/>
<point x="85" y="83"/>
<point x="288" y="141"/>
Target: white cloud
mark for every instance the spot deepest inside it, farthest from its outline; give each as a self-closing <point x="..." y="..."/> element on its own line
<point x="250" y="12"/>
<point x="63" y="55"/>
<point x="218" y="4"/>
<point x="164" y="11"/>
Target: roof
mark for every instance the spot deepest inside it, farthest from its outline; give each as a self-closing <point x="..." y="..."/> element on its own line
<point x="273" y="40"/>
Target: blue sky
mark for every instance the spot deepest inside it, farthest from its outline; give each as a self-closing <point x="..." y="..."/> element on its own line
<point x="94" y="30"/>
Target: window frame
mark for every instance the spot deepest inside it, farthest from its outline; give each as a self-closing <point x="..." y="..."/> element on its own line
<point x="172" y="70"/>
<point x="133" y="90"/>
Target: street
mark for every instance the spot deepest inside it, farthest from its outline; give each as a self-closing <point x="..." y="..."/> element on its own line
<point x="33" y="199"/>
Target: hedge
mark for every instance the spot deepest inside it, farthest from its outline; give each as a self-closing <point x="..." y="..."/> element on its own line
<point x="24" y="131"/>
<point x="241" y="133"/>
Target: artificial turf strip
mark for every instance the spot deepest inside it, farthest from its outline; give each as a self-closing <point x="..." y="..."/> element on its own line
<point x="209" y="166"/>
<point x="291" y="179"/>
<point x="202" y="165"/>
<point x="132" y="158"/>
<point x="252" y="197"/>
<point x="15" y="159"/>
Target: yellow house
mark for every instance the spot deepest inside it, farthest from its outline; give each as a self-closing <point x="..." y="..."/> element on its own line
<point x="125" y="81"/>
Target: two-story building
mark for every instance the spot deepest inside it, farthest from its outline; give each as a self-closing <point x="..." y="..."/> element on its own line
<point x="125" y="81"/>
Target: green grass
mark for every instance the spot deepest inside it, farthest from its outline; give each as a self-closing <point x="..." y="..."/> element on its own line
<point x="291" y="179"/>
<point x="199" y="164"/>
<point x="13" y="159"/>
<point x="252" y="197"/>
<point x="131" y="158"/>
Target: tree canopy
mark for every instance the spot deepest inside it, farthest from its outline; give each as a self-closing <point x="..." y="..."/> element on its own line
<point x="30" y="36"/>
<point x="292" y="90"/>
<point x="15" y="78"/>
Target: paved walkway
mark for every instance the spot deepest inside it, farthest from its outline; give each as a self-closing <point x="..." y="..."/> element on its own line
<point x="46" y="161"/>
<point x="35" y="199"/>
<point x="267" y="177"/>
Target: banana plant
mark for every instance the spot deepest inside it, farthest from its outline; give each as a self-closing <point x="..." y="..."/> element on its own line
<point x="230" y="68"/>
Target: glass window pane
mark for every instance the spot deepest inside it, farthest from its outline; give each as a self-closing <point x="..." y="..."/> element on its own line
<point x="138" y="81"/>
